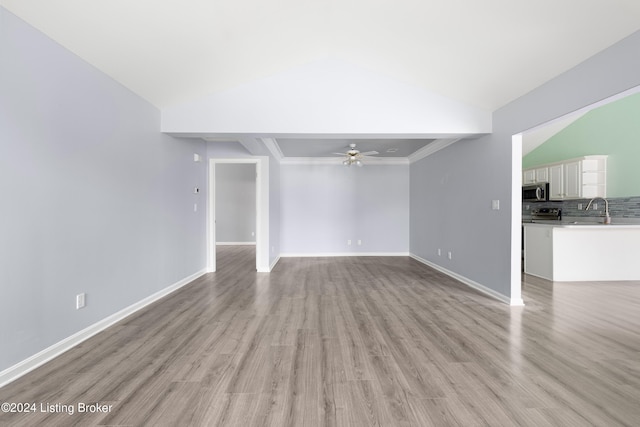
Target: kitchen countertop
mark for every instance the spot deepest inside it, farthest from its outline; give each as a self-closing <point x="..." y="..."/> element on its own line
<point x="579" y="224"/>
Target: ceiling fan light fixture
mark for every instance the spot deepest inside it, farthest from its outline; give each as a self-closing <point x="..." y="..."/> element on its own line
<point x="354" y="156"/>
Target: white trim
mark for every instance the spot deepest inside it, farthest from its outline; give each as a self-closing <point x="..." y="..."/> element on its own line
<point x="516" y="189"/>
<point x="431" y="148"/>
<point x="339" y="254"/>
<point x="586" y="108"/>
<point x="472" y="284"/>
<point x="337" y="161"/>
<point x="211" y="219"/>
<point x="273" y="147"/>
<point x="273" y="264"/>
<point x="18" y="370"/>
<point x="235" y="243"/>
<point x="262" y="211"/>
<point x="516" y="221"/>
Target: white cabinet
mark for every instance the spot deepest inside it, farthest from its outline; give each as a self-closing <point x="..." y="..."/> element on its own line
<point x="593" y="176"/>
<point x="556" y="182"/>
<point x="581" y="178"/>
<point x="531" y="176"/>
<point x="572" y="182"/>
<point x="571" y="253"/>
<point x="538" y="251"/>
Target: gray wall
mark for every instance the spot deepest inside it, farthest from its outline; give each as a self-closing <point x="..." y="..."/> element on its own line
<point x="451" y="191"/>
<point x="235" y="203"/>
<point x="94" y="198"/>
<point x="323" y="206"/>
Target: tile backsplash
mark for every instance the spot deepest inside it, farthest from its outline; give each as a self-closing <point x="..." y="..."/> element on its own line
<point x="619" y="207"/>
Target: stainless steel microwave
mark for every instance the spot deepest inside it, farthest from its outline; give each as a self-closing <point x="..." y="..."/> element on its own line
<point x="535" y="192"/>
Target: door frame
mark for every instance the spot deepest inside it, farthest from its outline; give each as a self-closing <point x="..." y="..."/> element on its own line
<point x="262" y="209"/>
<point x="516" y="189"/>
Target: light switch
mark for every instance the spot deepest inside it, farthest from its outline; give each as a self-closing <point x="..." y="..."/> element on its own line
<point x="80" y="301"/>
<point x="495" y="205"/>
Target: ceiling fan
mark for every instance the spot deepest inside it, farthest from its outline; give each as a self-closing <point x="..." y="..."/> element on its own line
<point x="354" y="156"/>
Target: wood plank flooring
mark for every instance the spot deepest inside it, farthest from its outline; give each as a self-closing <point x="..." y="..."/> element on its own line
<point x="365" y="341"/>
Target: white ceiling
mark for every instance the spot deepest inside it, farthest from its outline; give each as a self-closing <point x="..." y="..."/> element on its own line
<point x="484" y="53"/>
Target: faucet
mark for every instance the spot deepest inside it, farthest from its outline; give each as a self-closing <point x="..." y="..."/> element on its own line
<point x="607" y="218"/>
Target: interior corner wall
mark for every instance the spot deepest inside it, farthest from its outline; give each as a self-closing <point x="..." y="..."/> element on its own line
<point x="452" y="190"/>
<point x="324" y="206"/>
<point x="95" y="199"/>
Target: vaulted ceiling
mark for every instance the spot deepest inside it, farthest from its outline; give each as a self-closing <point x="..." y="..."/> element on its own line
<point x="482" y="53"/>
<point x="312" y="75"/>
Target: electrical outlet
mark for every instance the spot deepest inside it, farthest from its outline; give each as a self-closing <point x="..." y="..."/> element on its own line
<point x="449" y="255"/>
<point x="253" y="233"/>
<point x="80" y="301"/>
<point x="579" y="206"/>
<point x="594" y="206"/>
<point x="439" y="252"/>
<point x="349" y="242"/>
<point x="495" y="205"/>
<point x="527" y="207"/>
<point x="195" y="207"/>
<point x="359" y="242"/>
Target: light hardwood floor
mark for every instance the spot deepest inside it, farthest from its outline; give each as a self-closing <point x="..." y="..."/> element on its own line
<point x="353" y="342"/>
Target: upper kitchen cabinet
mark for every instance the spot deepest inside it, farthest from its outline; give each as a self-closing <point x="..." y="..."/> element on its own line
<point x="572" y="182"/>
<point x="581" y="178"/>
<point x="556" y="182"/>
<point x="593" y="173"/>
<point x="532" y="176"/>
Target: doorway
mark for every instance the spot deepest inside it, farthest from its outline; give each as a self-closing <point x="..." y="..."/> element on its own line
<point x="524" y="142"/>
<point x="234" y="211"/>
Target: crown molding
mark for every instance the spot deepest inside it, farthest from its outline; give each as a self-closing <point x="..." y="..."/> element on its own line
<point x="337" y="161"/>
<point x="431" y="148"/>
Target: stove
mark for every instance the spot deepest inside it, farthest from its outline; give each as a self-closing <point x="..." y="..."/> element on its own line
<point x="546" y="214"/>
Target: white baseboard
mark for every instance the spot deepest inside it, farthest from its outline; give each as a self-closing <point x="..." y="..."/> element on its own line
<point x="16" y="371"/>
<point x="337" y="254"/>
<point x="235" y="243"/>
<point x="273" y="264"/>
<point x="471" y="283"/>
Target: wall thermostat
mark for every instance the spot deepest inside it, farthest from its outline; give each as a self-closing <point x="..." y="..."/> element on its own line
<point x="196" y="190"/>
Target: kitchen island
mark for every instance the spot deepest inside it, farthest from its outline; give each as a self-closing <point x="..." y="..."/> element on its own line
<point x="564" y="251"/>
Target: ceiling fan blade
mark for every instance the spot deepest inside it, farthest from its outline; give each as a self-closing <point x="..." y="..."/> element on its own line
<point x="369" y="153"/>
<point x="340" y="154"/>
